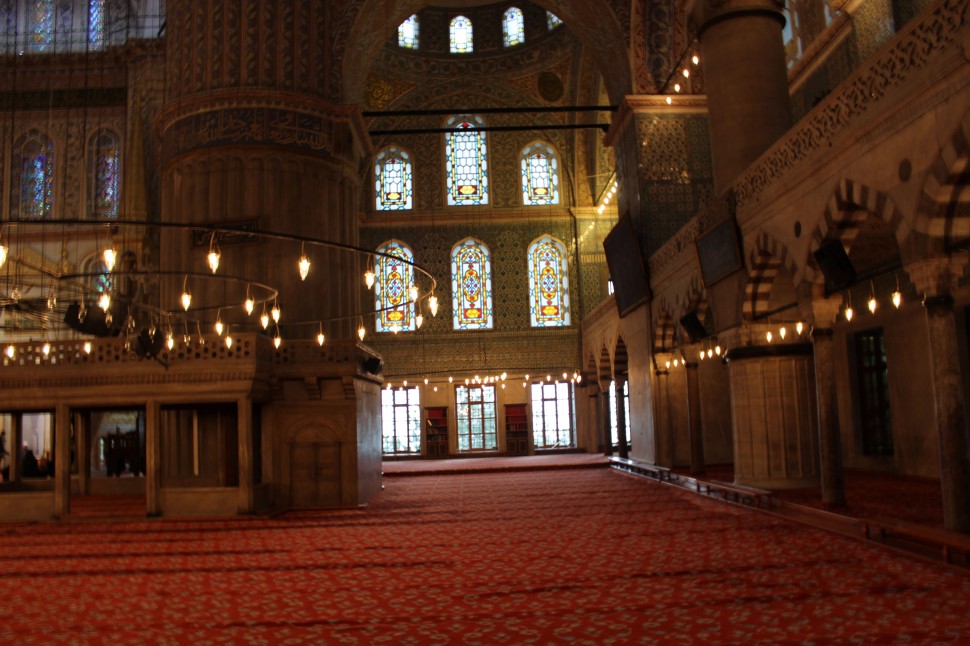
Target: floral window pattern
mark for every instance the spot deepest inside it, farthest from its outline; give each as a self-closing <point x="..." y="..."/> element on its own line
<point x="394" y="180"/>
<point x="466" y="162"/>
<point x="513" y="27"/>
<point x="32" y="188"/>
<point x="548" y="283"/>
<point x="408" y="33"/>
<point x="471" y="286"/>
<point x="394" y="276"/>
<point x="540" y="175"/>
<point x="105" y="176"/>
<point x="461" y="35"/>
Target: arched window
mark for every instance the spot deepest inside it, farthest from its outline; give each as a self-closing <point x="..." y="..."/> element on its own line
<point x="393" y="180"/>
<point x="552" y="20"/>
<point x="466" y="162"/>
<point x="548" y="283"/>
<point x="461" y="35"/>
<point x="32" y="187"/>
<point x="40" y="24"/>
<point x="393" y="279"/>
<point x="540" y="175"/>
<point x="104" y="175"/>
<point x="513" y="27"/>
<point x="97" y="24"/>
<point x="408" y="33"/>
<point x="471" y="285"/>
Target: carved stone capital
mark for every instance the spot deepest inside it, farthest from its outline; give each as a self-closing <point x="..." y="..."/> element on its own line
<point x="826" y="310"/>
<point x="936" y="276"/>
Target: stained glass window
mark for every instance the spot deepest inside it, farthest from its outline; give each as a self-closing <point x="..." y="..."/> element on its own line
<point x="104" y="163"/>
<point x="475" y="415"/>
<point x="32" y="189"/>
<point x="466" y="162"/>
<point x="513" y="27"/>
<point x="552" y="20"/>
<point x="393" y="180"/>
<point x="401" y="420"/>
<point x="548" y="283"/>
<point x="97" y="29"/>
<point x="471" y="285"/>
<point x="394" y="278"/>
<point x="40" y="23"/>
<point x="540" y="175"/>
<point x="461" y="35"/>
<point x="408" y="33"/>
<point x="552" y="415"/>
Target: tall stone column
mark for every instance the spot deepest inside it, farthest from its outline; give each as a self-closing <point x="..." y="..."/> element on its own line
<point x="694" y="424"/>
<point x="746" y="81"/>
<point x="62" y="460"/>
<point x="827" y="396"/>
<point x="603" y="421"/>
<point x="935" y="279"/>
<point x="153" y="459"/>
<point x="244" y="421"/>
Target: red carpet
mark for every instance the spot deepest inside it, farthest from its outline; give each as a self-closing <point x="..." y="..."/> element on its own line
<point x="584" y="556"/>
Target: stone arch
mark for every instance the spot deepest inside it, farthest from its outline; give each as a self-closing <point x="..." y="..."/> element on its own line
<point x="605" y="374"/>
<point x="943" y="213"/>
<point x="850" y="207"/>
<point x="621" y="360"/>
<point x="366" y="28"/>
<point x="767" y="260"/>
<point x="591" y="370"/>
<point x="663" y="331"/>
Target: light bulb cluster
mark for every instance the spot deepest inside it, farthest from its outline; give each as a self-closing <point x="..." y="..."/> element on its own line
<point x="684" y="74"/>
<point x="872" y="304"/>
<point x="783" y="331"/>
<point x="608" y="196"/>
<point x="499" y="380"/>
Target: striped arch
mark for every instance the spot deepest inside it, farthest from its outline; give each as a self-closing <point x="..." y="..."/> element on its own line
<point x="592" y="372"/>
<point x="944" y="207"/>
<point x="697" y="298"/>
<point x="850" y="205"/>
<point x="663" y="331"/>
<point x="767" y="257"/>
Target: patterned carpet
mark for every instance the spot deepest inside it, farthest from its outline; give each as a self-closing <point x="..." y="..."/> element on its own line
<point x="581" y="556"/>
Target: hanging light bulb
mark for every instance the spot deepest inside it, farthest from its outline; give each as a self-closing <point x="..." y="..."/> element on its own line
<point x="320" y="337"/>
<point x="214" y="254"/>
<point x="275" y="312"/>
<point x="675" y="363"/>
<point x="3" y="255"/>
<point x="198" y="328"/>
<point x="695" y="59"/>
<point x="700" y="354"/>
<point x="413" y="293"/>
<point x="46" y="349"/>
<point x="686" y="73"/>
<point x="897" y="299"/>
<point x="717" y="349"/>
<point x="425" y="381"/>
<point x="848" y="313"/>
<point x="264" y="318"/>
<point x="228" y="342"/>
<point x="361" y="332"/>
<point x="109" y="256"/>
<point x="104" y="301"/>
<point x="277" y="340"/>
<point x="433" y="305"/>
<point x="799" y="327"/>
<point x="872" y="304"/>
<point x="782" y="331"/>
<point x="87" y="347"/>
<point x="249" y="304"/>
<point x="219" y="326"/>
<point x="450" y="379"/>
<point x="676" y="87"/>
<point x="186" y="297"/>
<point x="668" y="100"/>
<point x="710" y="353"/>
<point x="11" y="351"/>
<point x="369" y="278"/>
<point x="768" y="336"/>
<point x="419" y="320"/>
<point x="304" y="264"/>
<point x="170" y="340"/>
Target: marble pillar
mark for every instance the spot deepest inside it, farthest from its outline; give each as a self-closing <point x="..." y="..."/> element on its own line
<point x="825" y="311"/>
<point x="746" y="81"/>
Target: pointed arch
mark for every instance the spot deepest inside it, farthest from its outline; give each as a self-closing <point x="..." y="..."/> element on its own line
<point x="104" y="174"/>
<point x="393" y="180"/>
<point x="394" y="277"/>
<point x="513" y="27"/>
<point x="943" y="214"/>
<point x="663" y="331"/>
<point x="466" y="161"/>
<point x="471" y="285"/>
<point x="605" y="373"/>
<point x="461" y="35"/>
<point x="548" y="283"/>
<point x="409" y="33"/>
<point x="540" y="174"/>
<point x="32" y="183"/>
